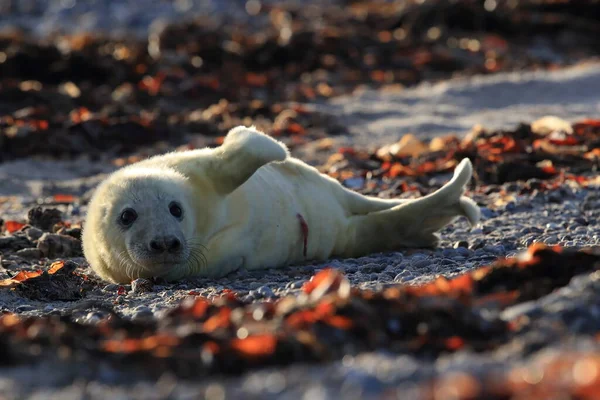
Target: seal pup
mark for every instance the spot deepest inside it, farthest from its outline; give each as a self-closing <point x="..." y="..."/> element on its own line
<point x="249" y="204"/>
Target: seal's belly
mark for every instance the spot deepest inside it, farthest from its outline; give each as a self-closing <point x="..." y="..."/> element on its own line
<point x="294" y="216"/>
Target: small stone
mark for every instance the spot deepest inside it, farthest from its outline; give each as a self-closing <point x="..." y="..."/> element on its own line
<point x="448" y="252"/>
<point x="422" y="264"/>
<point x="461" y="243"/>
<point x="488" y="229"/>
<point x="44" y="219"/>
<point x="555" y="197"/>
<point x="33" y="233"/>
<point x="265" y="291"/>
<point x="15" y="242"/>
<point x="553" y="226"/>
<point x="30" y="253"/>
<point x="141" y="285"/>
<point x="354" y="183"/>
<point x="142" y="312"/>
<point x="372" y="267"/>
<point x="463" y="251"/>
<point x="296" y="284"/>
<point x="581" y="221"/>
<point x="74" y="232"/>
<point x="113" y="287"/>
<point x="477" y="244"/>
<point x="496" y="250"/>
<point x="53" y="245"/>
<point x="534" y="183"/>
<point x="25" y="307"/>
<point x="404" y="276"/>
<point x="92" y="318"/>
<point x="254" y="285"/>
<point x="487" y="213"/>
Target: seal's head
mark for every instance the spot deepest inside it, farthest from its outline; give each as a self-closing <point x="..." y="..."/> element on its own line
<point x="140" y="224"/>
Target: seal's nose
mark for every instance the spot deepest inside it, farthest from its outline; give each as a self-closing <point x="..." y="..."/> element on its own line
<point x="159" y="245"/>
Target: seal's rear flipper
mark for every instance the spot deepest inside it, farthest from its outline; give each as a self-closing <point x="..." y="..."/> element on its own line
<point x="415" y="223"/>
<point x="434" y="211"/>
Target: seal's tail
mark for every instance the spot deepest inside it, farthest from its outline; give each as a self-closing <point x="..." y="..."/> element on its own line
<point x="414" y="223"/>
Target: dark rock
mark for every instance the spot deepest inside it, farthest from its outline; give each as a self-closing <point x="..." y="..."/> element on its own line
<point x="581" y="221"/>
<point x="53" y="245"/>
<point x="63" y="285"/>
<point x="30" y="253"/>
<point x="44" y="219"/>
<point x="15" y="242"/>
<point x="265" y="291"/>
<point x="33" y="233"/>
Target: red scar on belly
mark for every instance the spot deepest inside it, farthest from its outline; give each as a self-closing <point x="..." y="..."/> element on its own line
<point x="304" y="228"/>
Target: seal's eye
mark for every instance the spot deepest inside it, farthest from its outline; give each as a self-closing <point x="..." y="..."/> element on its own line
<point x="175" y="210"/>
<point x="128" y="217"/>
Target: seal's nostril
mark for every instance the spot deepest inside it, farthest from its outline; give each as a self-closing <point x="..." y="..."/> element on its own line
<point x="173" y="244"/>
<point x="157" y="245"/>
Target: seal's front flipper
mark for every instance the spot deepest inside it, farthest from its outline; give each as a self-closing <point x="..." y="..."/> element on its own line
<point x="415" y="223"/>
<point x="243" y="152"/>
<point x="227" y="167"/>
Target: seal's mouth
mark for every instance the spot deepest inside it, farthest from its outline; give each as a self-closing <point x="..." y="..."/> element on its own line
<point x="139" y="263"/>
<point x="160" y="266"/>
<point x="146" y="265"/>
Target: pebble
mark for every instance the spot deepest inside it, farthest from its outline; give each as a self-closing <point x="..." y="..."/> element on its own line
<point x="510" y="206"/>
<point x="141" y="285"/>
<point x="265" y="291"/>
<point x="580" y="221"/>
<point x="373" y="267"/>
<point x="33" y="233"/>
<point x="30" y="253"/>
<point x="296" y="284"/>
<point x="448" y="252"/>
<point x="496" y="250"/>
<point x="477" y="243"/>
<point x="404" y="276"/>
<point x="487" y="213"/>
<point x="93" y="317"/>
<point x="254" y="285"/>
<point x="461" y="244"/>
<point x="422" y="264"/>
<point x="25" y="307"/>
<point x="113" y="287"/>
<point x="354" y="183"/>
<point x="488" y="229"/>
<point x="142" y="312"/>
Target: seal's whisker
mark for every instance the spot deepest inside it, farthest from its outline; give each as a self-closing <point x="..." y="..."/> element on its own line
<point x="196" y="259"/>
<point x="195" y="241"/>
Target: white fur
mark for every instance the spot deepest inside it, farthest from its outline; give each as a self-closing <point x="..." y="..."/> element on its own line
<point x="244" y="202"/>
